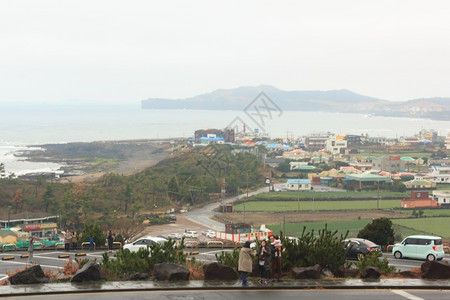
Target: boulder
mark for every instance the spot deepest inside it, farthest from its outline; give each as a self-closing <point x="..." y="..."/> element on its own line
<point x="89" y="272"/>
<point x="31" y="275"/>
<point x="371" y="272"/>
<point x="216" y="271"/>
<point x="409" y="274"/>
<point x="435" y="270"/>
<point x="137" y="277"/>
<point x="347" y="273"/>
<point x="171" y="272"/>
<point x="307" y="272"/>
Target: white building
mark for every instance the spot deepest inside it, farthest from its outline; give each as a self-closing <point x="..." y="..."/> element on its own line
<point x="335" y="146"/>
<point x="439" y="174"/>
<point x="298" y="184"/>
<point x="442" y="197"/>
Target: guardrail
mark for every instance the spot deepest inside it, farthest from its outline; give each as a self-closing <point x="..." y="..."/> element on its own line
<point x="191" y="244"/>
<point x="214" y="244"/>
<point x="86" y="244"/>
<point x="8" y="245"/>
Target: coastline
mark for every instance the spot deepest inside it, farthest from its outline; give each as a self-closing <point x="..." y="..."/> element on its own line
<point x="87" y="161"/>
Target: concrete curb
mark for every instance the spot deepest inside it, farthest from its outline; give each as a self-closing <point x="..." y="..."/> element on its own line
<point x="122" y="286"/>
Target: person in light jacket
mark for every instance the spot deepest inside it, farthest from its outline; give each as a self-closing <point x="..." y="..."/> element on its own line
<point x="67" y="240"/>
<point x="30" y="248"/>
<point x="245" y="262"/>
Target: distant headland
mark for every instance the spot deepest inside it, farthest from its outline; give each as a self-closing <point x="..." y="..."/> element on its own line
<point x="341" y="101"/>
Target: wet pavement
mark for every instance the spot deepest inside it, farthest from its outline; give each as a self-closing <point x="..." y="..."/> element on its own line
<point x="135" y="286"/>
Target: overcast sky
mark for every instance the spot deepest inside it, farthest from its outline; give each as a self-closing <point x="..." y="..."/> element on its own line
<point x="126" y="51"/>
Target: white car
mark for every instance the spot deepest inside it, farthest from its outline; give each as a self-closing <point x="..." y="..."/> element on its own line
<point x="190" y="234"/>
<point x="209" y="231"/>
<point x="143" y="242"/>
<point x="175" y="236"/>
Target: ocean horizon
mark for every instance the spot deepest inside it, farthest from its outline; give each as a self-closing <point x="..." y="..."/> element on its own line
<point x="24" y="126"/>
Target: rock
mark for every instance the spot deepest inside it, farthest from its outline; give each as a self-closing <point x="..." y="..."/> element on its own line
<point x="137" y="277"/>
<point x="307" y="272"/>
<point x="216" y="271"/>
<point x="89" y="272"/>
<point x="31" y="275"/>
<point x="409" y="274"/>
<point x="435" y="270"/>
<point x="171" y="272"/>
<point x="371" y="272"/>
<point x="347" y="273"/>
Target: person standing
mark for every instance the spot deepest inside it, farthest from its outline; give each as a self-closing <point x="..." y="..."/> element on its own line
<point x="275" y="249"/>
<point x="67" y="240"/>
<point x="74" y="240"/>
<point x="264" y="257"/>
<point x="245" y="262"/>
<point x="91" y="243"/>
<point x="110" y="240"/>
<point x="30" y="248"/>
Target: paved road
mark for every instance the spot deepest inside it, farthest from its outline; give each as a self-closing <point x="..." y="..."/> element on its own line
<point x="257" y="294"/>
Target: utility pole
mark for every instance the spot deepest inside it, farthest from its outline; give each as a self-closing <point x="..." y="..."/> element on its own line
<point x="247" y="184"/>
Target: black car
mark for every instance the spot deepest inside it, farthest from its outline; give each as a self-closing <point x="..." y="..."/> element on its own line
<point x="357" y="248"/>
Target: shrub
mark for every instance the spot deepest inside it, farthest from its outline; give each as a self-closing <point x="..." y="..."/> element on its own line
<point x="372" y="260"/>
<point x="143" y="260"/>
<point x="229" y="259"/>
<point x="96" y="231"/>
<point x="326" y="249"/>
<point x="379" y="231"/>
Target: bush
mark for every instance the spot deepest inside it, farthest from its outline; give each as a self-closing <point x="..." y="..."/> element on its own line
<point x="379" y="231"/>
<point x="229" y="259"/>
<point x="372" y="260"/>
<point x="326" y="249"/>
<point x="143" y="260"/>
<point x="96" y="231"/>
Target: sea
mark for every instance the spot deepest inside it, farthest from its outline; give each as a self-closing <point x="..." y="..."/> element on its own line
<point x="26" y="126"/>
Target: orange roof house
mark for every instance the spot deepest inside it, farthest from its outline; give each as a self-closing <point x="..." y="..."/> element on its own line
<point x="419" y="199"/>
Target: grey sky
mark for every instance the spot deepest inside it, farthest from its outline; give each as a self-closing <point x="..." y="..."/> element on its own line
<point x="125" y="51"/>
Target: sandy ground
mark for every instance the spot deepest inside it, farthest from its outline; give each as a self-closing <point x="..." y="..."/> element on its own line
<point x="270" y="218"/>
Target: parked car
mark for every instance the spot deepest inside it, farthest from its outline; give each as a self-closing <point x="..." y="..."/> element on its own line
<point x="172" y="218"/>
<point x="357" y="248"/>
<point x="420" y="247"/>
<point x="175" y="236"/>
<point x="206" y="232"/>
<point x="143" y="242"/>
<point x="190" y="234"/>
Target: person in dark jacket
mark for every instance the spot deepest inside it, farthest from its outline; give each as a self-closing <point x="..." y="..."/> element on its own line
<point x="264" y="257"/>
<point x="275" y="250"/>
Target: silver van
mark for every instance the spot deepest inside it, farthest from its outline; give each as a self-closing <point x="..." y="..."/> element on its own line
<point x="420" y="247"/>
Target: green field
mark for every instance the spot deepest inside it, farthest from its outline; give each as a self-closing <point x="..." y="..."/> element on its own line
<point x="433" y="226"/>
<point x="280" y="206"/>
<point x="296" y="229"/>
<point x="330" y="195"/>
<point x="441" y="212"/>
<point x="402" y="227"/>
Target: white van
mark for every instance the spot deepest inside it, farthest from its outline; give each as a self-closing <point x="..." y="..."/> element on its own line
<point x="190" y="234"/>
<point x="420" y="247"/>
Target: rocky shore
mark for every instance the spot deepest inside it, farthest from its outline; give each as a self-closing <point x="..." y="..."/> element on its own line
<point x="89" y="160"/>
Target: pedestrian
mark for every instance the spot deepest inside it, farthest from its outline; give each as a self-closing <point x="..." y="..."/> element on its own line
<point x="74" y="240"/>
<point x="275" y="249"/>
<point x="67" y="240"/>
<point x="264" y="257"/>
<point x="245" y="262"/>
<point x="110" y="240"/>
<point x="30" y="248"/>
<point x="91" y="243"/>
